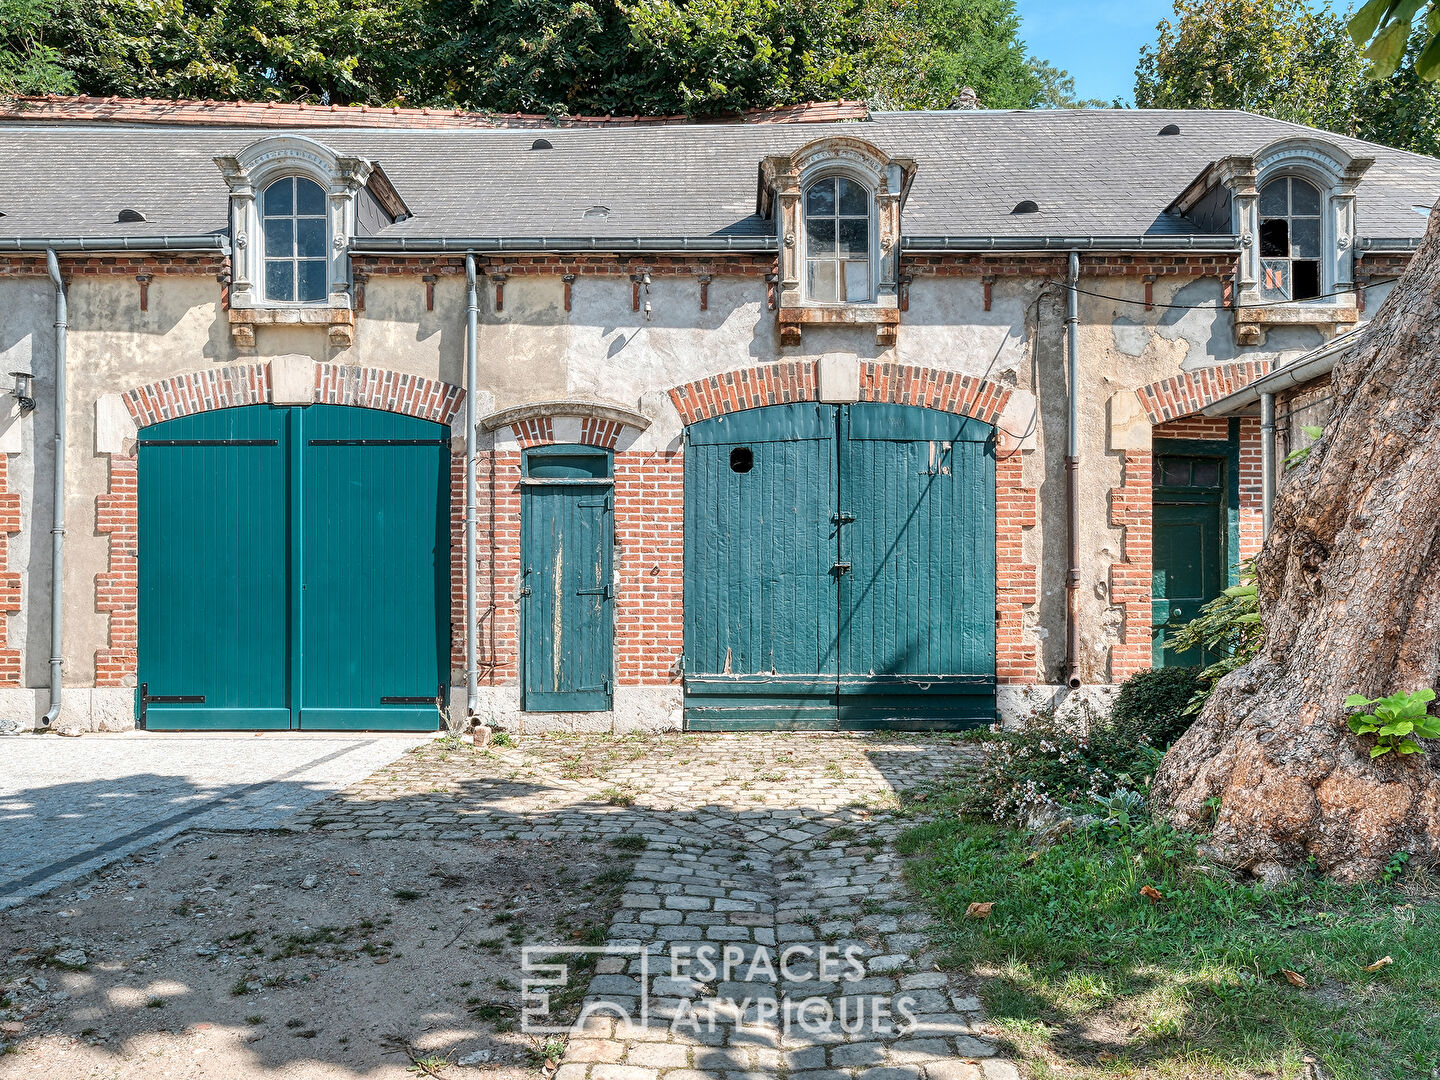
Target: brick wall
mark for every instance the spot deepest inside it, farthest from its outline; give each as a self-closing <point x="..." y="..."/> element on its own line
<point x="1132" y="507"/>
<point x="9" y="582"/>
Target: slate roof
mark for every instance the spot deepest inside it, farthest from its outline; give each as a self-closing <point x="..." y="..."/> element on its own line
<point x="1094" y="173"/>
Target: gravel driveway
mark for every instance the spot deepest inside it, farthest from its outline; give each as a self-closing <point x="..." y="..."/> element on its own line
<point x="70" y="806"/>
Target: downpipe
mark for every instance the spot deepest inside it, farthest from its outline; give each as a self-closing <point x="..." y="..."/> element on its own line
<point x="57" y="525"/>
<point x="472" y="420"/>
<point x="1072" y="477"/>
<point x="1267" y="463"/>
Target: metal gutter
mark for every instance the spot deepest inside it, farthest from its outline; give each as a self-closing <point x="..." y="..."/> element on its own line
<point x="1221" y="243"/>
<point x="1381" y="244"/>
<point x="392" y="245"/>
<point x="431" y="245"/>
<point x="1314" y="364"/>
<point x="472" y="378"/>
<point x="57" y="522"/>
<point x="205" y="242"/>
<point x="1072" y="476"/>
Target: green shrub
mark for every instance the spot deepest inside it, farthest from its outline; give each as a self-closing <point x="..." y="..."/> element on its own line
<point x="1152" y="705"/>
<point x="1081" y="761"/>
<point x="1228" y="627"/>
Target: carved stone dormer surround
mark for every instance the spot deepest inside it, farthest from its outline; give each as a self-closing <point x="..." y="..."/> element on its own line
<point x="1337" y="174"/>
<point x="246" y="175"/>
<point x="784" y="178"/>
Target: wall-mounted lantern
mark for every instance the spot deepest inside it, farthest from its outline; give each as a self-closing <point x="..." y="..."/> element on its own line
<point x="24" y="383"/>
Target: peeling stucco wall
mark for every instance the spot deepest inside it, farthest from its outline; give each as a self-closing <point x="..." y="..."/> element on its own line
<point x="602" y="349"/>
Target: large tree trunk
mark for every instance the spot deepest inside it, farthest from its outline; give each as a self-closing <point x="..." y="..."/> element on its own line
<point x="1350" y="597"/>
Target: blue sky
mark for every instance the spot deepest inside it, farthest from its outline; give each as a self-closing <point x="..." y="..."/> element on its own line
<point x="1097" y="41"/>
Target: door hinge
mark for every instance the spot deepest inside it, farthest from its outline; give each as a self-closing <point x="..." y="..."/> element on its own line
<point x="146" y="699"/>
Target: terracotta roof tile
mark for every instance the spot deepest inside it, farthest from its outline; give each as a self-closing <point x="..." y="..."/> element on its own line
<point x="57" y="108"/>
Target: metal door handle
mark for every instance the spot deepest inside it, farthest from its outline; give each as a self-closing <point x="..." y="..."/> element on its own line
<point x="840" y="568"/>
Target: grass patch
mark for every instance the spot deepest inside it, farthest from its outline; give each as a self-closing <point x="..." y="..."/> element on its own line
<point x="1079" y="967"/>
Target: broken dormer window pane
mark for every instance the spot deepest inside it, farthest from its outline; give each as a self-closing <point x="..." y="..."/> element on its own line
<point x="1291" y="239"/>
<point x="837" y="242"/>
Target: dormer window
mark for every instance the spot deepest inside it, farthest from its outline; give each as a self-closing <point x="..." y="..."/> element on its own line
<point x="295" y="205"/>
<point x="837" y="241"/>
<point x="1292" y="236"/>
<point x="297" y="241"/>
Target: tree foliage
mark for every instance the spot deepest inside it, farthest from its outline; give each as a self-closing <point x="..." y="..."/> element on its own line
<point x="1285" y="59"/>
<point x="698" y="57"/>
<point x="28" y="65"/>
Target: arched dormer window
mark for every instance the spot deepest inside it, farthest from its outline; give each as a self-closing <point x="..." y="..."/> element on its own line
<point x="836" y="205"/>
<point x="297" y="241"/>
<point x="293" y="211"/>
<point x="1292" y="239"/>
<point x="839" y="267"/>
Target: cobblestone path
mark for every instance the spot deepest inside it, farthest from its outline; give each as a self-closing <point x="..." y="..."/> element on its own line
<point x="758" y="849"/>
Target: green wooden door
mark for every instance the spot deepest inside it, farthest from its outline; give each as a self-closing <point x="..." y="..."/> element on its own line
<point x="917" y="597"/>
<point x="761" y="618"/>
<point x="375" y="600"/>
<point x="840" y="569"/>
<point x="567" y="542"/>
<point x="1189" y="558"/>
<point x="214" y="570"/>
<point x="293" y="570"/>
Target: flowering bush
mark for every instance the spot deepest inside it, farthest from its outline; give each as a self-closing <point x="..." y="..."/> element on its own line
<point x="1077" y="760"/>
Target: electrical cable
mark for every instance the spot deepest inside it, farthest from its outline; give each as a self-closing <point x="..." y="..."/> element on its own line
<point x="1218" y="306"/>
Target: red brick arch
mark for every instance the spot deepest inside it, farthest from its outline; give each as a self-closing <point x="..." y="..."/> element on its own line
<point x="116" y="512"/>
<point x="1191" y="391"/>
<point x="790" y="381"/>
<point x="335" y="384"/>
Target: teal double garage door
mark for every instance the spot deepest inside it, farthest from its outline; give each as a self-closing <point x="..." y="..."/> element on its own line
<point x="840" y="569"/>
<point x="294" y="570"/>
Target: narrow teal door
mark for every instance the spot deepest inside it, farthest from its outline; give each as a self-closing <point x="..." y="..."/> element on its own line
<point x="375" y="599"/>
<point x="293" y="570"/>
<point x="567" y="540"/>
<point x="840" y="569"/>
<point x="214" y="571"/>
<point x="1189" y="556"/>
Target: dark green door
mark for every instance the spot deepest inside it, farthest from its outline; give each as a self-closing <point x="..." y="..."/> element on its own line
<point x="1189" y="559"/>
<point x="567" y="542"/>
<point x="294" y="570"/>
<point x="840" y="569"/>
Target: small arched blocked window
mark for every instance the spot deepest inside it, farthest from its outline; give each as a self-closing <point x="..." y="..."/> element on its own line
<point x="296" y="241"/>
<point x="837" y="241"/>
<point x="1291" y="235"/>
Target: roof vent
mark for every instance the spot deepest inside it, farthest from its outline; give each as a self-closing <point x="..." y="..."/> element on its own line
<point x="1170" y="129"/>
<point x="1026" y="206"/>
<point x="596" y="211"/>
<point x="542" y="144"/>
<point x="131" y="215"/>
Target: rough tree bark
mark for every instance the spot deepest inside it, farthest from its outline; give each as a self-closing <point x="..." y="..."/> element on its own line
<point x="1350" y="596"/>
